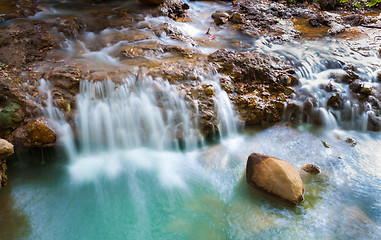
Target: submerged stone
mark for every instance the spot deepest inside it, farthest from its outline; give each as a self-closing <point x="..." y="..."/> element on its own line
<point x="274" y="176"/>
<point x="311" y="168"/>
<point x="351" y="141"/>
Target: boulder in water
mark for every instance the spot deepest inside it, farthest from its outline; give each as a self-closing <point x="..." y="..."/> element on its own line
<point x="220" y="17"/>
<point x="274" y="176"/>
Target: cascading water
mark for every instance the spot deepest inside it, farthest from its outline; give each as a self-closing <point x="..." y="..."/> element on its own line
<point x="137" y="166"/>
<point x="324" y="95"/>
<point x="141" y="114"/>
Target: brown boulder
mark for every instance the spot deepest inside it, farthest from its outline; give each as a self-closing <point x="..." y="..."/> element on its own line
<point x="40" y="133"/>
<point x="6" y="149"/>
<point x="274" y="176"/>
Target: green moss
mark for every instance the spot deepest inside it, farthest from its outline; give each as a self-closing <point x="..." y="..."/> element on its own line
<point x="10" y="116"/>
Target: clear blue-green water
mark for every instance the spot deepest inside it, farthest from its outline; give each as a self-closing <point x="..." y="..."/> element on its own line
<point x="198" y="195"/>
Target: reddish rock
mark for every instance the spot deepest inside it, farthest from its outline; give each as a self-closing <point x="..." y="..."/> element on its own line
<point x="40" y="132"/>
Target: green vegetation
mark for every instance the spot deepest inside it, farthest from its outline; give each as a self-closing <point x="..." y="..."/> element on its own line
<point x="359" y="4"/>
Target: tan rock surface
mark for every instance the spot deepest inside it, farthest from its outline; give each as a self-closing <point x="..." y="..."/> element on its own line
<point x="6" y="149"/>
<point x="274" y="176"/>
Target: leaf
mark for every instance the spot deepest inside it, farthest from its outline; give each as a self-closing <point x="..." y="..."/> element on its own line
<point x="325" y="144"/>
<point x="357" y="4"/>
<point x="373" y="3"/>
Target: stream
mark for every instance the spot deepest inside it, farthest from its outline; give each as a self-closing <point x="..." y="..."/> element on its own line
<point x="135" y="164"/>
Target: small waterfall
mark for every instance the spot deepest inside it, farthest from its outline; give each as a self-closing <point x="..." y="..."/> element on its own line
<point x="119" y="125"/>
<point x="137" y="113"/>
<point x="325" y="71"/>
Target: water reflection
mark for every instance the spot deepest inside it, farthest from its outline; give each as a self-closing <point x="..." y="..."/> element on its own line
<point x="14" y="223"/>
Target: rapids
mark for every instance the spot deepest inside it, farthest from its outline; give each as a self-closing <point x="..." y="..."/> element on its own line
<point x="134" y="165"/>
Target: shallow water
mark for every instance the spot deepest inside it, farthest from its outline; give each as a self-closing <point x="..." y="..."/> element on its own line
<point x="134" y="172"/>
<point x="145" y="193"/>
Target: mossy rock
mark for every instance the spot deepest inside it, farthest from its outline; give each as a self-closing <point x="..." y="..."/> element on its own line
<point x="10" y="115"/>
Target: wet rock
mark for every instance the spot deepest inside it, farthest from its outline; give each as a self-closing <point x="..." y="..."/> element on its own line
<point x="174" y="9"/>
<point x="206" y="109"/>
<point x="220" y="18"/>
<point x="259" y="94"/>
<point x="330" y="87"/>
<point x="171" y="32"/>
<point x="318" y="20"/>
<point x="336" y="102"/>
<point x="11" y="114"/>
<point x="308" y="105"/>
<point x="379" y="73"/>
<point x="132" y="52"/>
<point x="311" y="168"/>
<point x="354" y="19"/>
<point x="209" y="89"/>
<point x="374" y="122"/>
<point x="40" y="132"/>
<point x="293" y="113"/>
<point x="366" y="88"/>
<point x="336" y="28"/>
<point x="6" y="149"/>
<point x="274" y="176"/>
<point x="361" y="87"/>
<point x="237" y="18"/>
<point x="289" y="80"/>
<point x="350" y="76"/>
<point x="249" y="66"/>
<point x="16" y="9"/>
<point x="351" y="141"/>
<point x="24" y="42"/>
<point x="69" y="26"/>
<point x="3" y="175"/>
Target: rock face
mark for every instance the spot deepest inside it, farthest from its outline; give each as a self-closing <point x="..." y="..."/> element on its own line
<point x="274" y="176"/>
<point x="6" y="150"/>
<point x="258" y="84"/>
<point x="25" y="42"/>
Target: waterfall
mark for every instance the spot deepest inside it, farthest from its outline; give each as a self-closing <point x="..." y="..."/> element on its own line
<point x="140" y="116"/>
<point x="322" y="69"/>
<point x="136" y="113"/>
